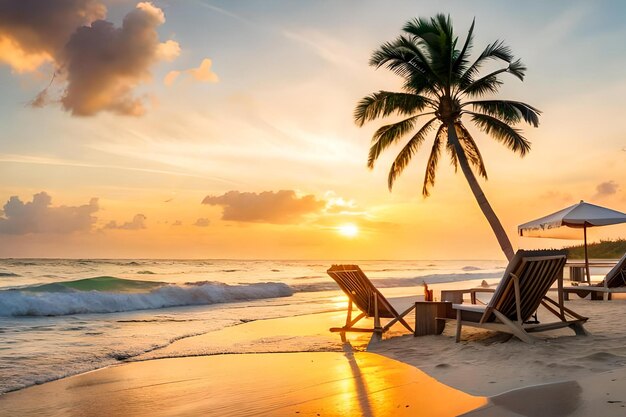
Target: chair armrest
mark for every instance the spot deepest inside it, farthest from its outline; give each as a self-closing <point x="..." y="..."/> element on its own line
<point x="401" y="304"/>
<point x="470" y="307"/>
<point x="481" y="289"/>
<point x="476" y="290"/>
<point x="456" y="296"/>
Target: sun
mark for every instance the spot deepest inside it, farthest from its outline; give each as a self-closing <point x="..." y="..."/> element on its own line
<point x="348" y="230"/>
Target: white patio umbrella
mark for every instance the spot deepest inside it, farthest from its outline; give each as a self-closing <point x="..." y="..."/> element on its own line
<point x="581" y="215"/>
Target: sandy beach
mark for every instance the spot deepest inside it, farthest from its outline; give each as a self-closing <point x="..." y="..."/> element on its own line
<point x="305" y="384"/>
<point x="564" y="375"/>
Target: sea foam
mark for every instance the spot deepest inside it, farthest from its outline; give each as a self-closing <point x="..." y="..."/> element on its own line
<point x="27" y="303"/>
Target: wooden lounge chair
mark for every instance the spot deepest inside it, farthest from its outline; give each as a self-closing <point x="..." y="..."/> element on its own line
<point x="527" y="279"/>
<point x="613" y="282"/>
<point x="362" y="293"/>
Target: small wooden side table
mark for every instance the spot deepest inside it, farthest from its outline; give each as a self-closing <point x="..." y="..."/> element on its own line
<point x="429" y="317"/>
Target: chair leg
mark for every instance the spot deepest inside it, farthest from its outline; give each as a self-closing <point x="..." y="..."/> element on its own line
<point x="515" y="328"/>
<point x="405" y="324"/>
<point x="458" y="326"/>
<point x="579" y="329"/>
<point x="349" y="326"/>
<point x="376" y="337"/>
<point x="400" y="319"/>
<point x="349" y="316"/>
<point x="377" y="326"/>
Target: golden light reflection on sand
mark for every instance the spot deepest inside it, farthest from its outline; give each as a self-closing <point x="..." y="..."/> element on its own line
<point x="324" y="384"/>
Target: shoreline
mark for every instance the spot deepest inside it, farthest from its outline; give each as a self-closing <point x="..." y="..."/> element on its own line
<point x="479" y="367"/>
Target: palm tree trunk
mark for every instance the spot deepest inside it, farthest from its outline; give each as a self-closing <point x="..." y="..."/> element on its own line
<point x="484" y="205"/>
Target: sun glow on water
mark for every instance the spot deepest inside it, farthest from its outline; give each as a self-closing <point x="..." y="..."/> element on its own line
<point x="348" y="230"/>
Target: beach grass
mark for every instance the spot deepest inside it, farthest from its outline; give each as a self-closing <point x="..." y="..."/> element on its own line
<point x="605" y="249"/>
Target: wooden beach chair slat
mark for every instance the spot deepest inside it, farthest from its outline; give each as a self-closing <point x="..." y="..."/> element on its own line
<point x="616" y="277"/>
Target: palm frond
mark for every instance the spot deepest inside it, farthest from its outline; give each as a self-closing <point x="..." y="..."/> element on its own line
<point x="444" y="47"/>
<point x="461" y="61"/>
<point x="490" y="82"/>
<point x="502" y="132"/>
<point x="387" y="135"/>
<point x="384" y="103"/>
<point x="424" y="78"/>
<point x="454" y="160"/>
<point x="419" y="55"/>
<point x="420" y="27"/>
<point x="485" y="85"/>
<point x="517" y="69"/>
<point x="409" y="59"/>
<point x="432" y="32"/>
<point x="497" y="50"/>
<point x="508" y="111"/>
<point x="403" y="56"/>
<point x="416" y="84"/>
<point x="471" y="150"/>
<point x="405" y="155"/>
<point x="433" y="160"/>
<point x="397" y="60"/>
<point x="437" y="37"/>
<point x="494" y="51"/>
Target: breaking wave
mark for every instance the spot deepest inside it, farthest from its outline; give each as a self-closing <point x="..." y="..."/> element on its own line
<point x="329" y="285"/>
<point x="62" y="299"/>
<point x="471" y="268"/>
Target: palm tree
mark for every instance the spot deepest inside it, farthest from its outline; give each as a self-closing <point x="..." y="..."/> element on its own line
<point x="442" y="84"/>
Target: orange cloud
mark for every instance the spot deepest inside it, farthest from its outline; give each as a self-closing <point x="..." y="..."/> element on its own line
<point x="202" y="222"/>
<point x="21" y="61"/>
<point x="168" y="50"/>
<point x="279" y="207"/>
<point x="33" y="32"/>
<point x="171" y="77"/>
<point x="202" y="74"/>
<point x="137" y="223"/>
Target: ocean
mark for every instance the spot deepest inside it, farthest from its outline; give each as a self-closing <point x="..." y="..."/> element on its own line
<point x="60" y="317"/>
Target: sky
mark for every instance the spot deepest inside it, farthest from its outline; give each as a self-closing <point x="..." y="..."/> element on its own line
<point x="221" y="129"/>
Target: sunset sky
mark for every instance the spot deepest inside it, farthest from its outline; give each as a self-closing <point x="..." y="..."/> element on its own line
<point x="222" y="129"/>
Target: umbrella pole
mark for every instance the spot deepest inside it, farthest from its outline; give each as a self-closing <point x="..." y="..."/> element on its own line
<point x="586" y="255"/>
